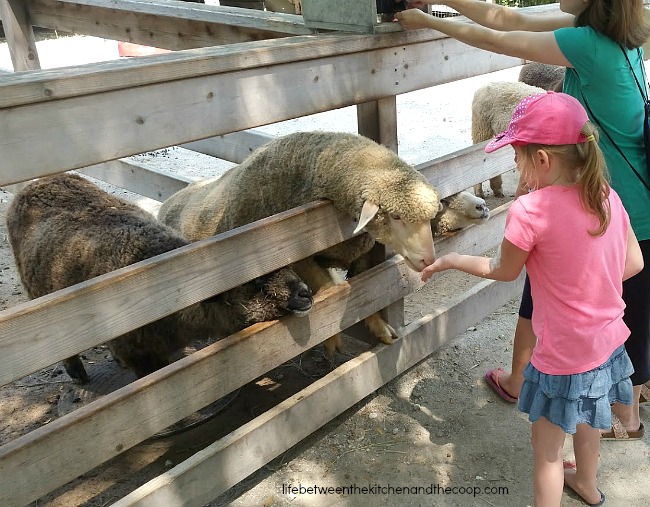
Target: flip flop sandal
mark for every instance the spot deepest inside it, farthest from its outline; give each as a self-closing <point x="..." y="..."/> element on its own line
<point x="569" y="465"/>
<point x="618" y="431"/>
<point x="602" y="496"/>
<point x="492" y="379"/>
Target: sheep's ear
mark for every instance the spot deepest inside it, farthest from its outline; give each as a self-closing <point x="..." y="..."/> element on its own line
<point x="440" y="206"/>
<point x="368" y="212"/>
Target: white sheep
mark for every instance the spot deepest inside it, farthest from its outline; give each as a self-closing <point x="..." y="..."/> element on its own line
<point x="492" y="108"/>
<point x="64" y="230"/>
<point x="393" y="203"/>
<point x="459" y="211"/>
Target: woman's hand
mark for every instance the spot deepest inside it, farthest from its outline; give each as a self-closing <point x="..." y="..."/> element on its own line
<point x="412" y="19"/>
<point x="441" y="264"/>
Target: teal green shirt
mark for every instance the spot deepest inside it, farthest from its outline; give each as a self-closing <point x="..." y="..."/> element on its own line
<point x="604" y="77"/>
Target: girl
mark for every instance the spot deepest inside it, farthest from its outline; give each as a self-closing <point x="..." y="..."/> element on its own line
<point x="593" y="39"/>
<point x="573" y="235"/>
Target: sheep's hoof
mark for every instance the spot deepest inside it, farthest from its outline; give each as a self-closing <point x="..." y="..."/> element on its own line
<point x="380" y="328"/>
<point x="498" y="193"/>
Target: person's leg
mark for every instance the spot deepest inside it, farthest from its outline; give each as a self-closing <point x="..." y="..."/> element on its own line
<point x="522" y="350"/>
<point x="548" y="472"/>
<point x="637" y="318"/>
<point x="522" y="347"/>
<point x="582" y="478"/>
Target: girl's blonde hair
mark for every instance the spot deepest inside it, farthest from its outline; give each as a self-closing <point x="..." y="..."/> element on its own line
<point x="623" y="21"/>
<point x="586" y="164"/>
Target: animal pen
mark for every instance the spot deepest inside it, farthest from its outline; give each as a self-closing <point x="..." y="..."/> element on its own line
<point x="230" y="70"/>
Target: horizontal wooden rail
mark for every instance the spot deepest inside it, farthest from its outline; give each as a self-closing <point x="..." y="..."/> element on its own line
<point x="90" y="129"/>
<point x="164" y="23"/>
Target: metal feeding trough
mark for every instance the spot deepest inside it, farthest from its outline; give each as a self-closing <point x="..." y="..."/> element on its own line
<point x="360" y="16"/>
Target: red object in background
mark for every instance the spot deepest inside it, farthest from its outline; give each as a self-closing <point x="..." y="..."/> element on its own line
<point x="130" y="49"/>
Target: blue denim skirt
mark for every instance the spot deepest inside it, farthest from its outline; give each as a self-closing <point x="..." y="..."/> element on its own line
<point x="583" y="398"/>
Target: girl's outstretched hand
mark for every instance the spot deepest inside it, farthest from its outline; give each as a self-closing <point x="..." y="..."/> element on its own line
<point x="412" y="19"/>
<point x="441" y="264"/>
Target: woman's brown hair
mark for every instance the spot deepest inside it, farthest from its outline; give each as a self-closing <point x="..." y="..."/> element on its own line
<point x="623" y="21"/>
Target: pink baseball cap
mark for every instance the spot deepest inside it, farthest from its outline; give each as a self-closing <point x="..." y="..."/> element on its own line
<point x="545" y="118"/>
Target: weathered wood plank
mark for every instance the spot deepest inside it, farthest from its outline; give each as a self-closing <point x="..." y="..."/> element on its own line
<point x="229" y="460"/>
<point x="234" y="147"/>
<point x="44" y="459"/>
<point x="456" y="171"/>
<point x="137" y="178"/>
<point x="134" y="120"/>
<point x="178" y="279"/>
<point x="377" y="120"/>
<point x="19" y="35"/>
<point x="163" y="23"/>
<point x="98" y="77"/>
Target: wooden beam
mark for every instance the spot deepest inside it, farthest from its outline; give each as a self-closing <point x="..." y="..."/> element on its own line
<point x="377" y="120"/>
<point x="450" y="174"/>
<point x="164" y="23"/>
<point x="137" y="178"/>
<point x="234" y="147"/>
<point x="223" y="464"/>
<point x="19" y="35"/>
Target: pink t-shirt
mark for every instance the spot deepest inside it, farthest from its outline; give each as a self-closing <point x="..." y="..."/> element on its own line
<point x="575" y="278"/>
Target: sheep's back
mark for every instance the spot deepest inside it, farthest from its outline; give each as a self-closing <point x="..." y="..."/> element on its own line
<point x="294" y="170"/>
<point x="65" y="230"/>
<point x="493" y="105"/>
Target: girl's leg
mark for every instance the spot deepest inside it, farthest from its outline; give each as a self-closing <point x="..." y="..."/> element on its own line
<point x="582" y="479"/>
<point x="548" y="472"/>
<point x="522" y="351"/>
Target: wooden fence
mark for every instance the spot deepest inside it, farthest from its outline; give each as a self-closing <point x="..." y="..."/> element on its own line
<point x="231" y="71"/>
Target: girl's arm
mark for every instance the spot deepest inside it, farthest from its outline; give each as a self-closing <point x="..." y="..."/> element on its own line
<point x="536" y="46"/>
<point x="505" y="266"/>
<point x="634" y="257"/>
<point x="499" y="17"/>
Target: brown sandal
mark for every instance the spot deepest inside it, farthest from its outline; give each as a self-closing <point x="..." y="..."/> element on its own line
<point x="645" y="393"/>
<point x="618" y="431"/>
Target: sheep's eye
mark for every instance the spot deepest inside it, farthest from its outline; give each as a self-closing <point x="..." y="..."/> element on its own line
<point x="395" y="216"/>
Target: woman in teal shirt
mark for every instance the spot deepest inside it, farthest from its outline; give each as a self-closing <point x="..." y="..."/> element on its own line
<point x="586" y="37"/>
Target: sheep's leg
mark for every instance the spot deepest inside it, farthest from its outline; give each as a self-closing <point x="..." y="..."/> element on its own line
<point x="496" y="184"/>
<point x="75" y="368"/>
<point x="318" y="278"/>
<point x="375" y="323"/>
<point x="478" y="190"/>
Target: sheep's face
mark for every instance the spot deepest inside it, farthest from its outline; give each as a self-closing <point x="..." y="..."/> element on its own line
<point x="400" y="216"/>
<point x="459" y="211"/>
<point x="471" y="206"/>
<point x="284" y="292"/>
<point x="412" y="240"/>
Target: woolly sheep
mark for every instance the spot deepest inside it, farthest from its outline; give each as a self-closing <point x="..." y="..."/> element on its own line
<point x="64" y="230"/>
<point x="542" y="75"/>
<point x="393" y="203"/>
<point x="458" y="211"/>
<point x="492" y="108"/>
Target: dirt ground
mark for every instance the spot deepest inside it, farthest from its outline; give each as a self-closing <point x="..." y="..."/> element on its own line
<point x="436" y="426"/>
